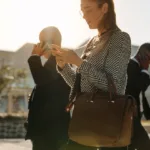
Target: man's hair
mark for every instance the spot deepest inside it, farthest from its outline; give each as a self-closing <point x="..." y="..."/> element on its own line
<point x="53" y="31"/>
<point x="144" y="49"/>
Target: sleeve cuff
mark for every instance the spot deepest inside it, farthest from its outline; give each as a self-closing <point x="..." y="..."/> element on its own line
<point x="145" y="71"/>
<point x="60" y="70"/>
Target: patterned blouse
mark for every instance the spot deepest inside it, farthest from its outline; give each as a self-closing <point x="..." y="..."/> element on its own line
<point x="118" y="46"/>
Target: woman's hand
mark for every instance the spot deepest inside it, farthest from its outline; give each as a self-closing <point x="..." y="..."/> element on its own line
<point x="66" y="56"/>
<point x="61" y="64"/>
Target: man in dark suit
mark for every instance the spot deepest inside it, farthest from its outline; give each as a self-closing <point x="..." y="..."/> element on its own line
<point x="48" y="122"/>
<point x="138" y="81"/>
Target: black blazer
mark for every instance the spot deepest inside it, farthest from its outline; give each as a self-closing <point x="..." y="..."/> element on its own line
<point x="138" y="82"/>
<point x="48" y="100"/>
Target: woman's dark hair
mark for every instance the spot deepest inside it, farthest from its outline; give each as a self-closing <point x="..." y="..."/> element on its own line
<point x="109" y="21"/>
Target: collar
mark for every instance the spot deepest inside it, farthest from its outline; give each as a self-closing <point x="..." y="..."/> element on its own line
<point x="135" y="60"/>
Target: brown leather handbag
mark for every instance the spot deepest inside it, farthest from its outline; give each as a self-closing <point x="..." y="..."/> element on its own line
<point x="102" y="119"/>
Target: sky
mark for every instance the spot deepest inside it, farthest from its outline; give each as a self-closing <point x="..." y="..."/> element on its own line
<point x="22" y="20"/>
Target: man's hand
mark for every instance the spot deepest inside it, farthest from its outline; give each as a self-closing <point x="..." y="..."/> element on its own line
<point x="144" y="62"/>
<point x="37" y="50"/>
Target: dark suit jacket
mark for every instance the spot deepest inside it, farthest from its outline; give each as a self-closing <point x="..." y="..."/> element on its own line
<point x="138" y="82"/>
<point x="48" y="100"/>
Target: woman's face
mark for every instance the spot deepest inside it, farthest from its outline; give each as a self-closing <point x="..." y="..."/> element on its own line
<point x="92" y="13"/>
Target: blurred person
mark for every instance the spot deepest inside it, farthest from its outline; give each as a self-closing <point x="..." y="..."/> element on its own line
<point x="138" y="81"/>
<point x="146" y="98"/>
<point x="47" y="124"/>
<point x="111" y="44"/>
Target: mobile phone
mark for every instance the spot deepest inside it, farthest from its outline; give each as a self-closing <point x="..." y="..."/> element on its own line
<point x="46" y="46"/>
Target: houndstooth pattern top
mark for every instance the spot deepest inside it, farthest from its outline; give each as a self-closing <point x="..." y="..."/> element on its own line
<point x="118" y="46"/>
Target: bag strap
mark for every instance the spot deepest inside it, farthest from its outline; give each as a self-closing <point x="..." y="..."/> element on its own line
<point x="110" y="82"/>
<point x="77" y="84"/>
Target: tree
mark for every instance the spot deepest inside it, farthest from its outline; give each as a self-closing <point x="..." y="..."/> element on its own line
<point x="9" y="76"/>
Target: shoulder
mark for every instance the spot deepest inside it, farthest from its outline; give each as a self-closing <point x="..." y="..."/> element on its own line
<point x="119" y="45"/>
<point x="133" y="63"/>
<point x="133" y="67"/>
<point x="120" y="40"/>
<point x="33" y="57"/>
<point x="121" y="36"/>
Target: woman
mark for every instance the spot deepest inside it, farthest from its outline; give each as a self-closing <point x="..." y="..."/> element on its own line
<point x="100" y="15"/>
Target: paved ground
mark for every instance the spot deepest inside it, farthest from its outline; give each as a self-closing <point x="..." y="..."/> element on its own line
<point x="17" y="144"/>
<point x="14" y="144"/>
<point x="20" y="144"/>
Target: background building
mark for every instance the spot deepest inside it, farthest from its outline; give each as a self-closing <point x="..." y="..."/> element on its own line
<point x="15" y="100"/>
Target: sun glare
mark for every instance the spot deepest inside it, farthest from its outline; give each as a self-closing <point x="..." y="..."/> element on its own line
<point x="29" y="17"/>
<point x="22" y="20"/>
